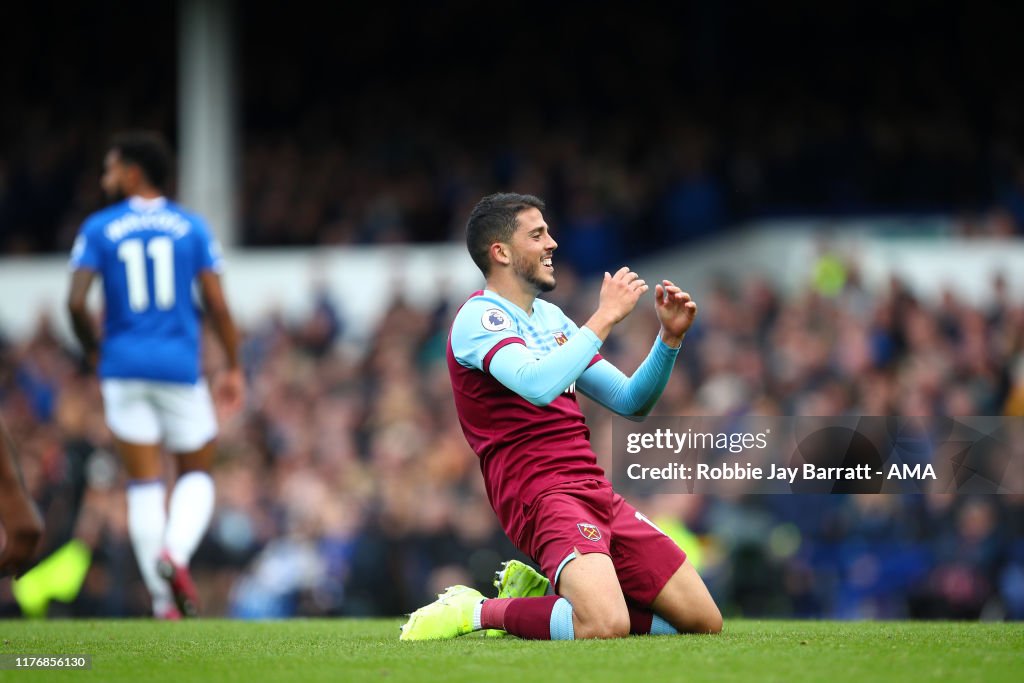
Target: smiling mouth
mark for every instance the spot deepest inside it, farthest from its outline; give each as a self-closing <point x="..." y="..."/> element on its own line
<point x="546" y="262"/>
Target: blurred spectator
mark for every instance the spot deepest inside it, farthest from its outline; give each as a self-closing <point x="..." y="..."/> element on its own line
<point x="635" y="146"/>
<point x="347" y="488"/>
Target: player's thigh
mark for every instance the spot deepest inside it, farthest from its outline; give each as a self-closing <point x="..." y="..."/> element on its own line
<point x="562" y="525"/>
<point x="568" y="534"/>
<point x="686" y="603"/>
<point x="141" y="461"/>
<point x="200" y="460"/>
<point x="188" y="419"/>
<point x="132" y="418"/>
<point x="590" y="584"/>
<point x="645" y="558"/>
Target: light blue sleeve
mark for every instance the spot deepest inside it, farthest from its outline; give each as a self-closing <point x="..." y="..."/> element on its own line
<point x="486" y="336"/>
<point x="540" y="381"/>
<point x="481" y="327"/>
<point x="633" y="396"/>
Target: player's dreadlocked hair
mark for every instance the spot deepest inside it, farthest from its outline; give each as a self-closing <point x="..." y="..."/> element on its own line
<point x="149" y="151"/>
<point x="494" y="220"/>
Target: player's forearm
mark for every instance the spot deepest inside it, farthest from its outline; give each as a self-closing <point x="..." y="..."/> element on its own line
<point x="671" y="340"/>
<point x="84" y="330"/>
<point x="635" y="395"/>
<point x="14" y="499"/>
<point x="650" y="379"/>
<point x="10" y="475"/>
<point x="540" y="381"/>
<point x="227" y="334"/>
<point x="19" y="518"/>
<point x="601" y="324"/>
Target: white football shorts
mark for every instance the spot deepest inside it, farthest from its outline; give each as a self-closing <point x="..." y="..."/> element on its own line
<point x="146" y="412"/>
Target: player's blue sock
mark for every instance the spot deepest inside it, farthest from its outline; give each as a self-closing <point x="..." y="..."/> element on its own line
<point x="660" y="627"/>
<point x="561" y="621"/>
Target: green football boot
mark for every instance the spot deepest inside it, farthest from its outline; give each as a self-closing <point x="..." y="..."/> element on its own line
<point x="450" y="616"/>
<point x="517" y="580"/>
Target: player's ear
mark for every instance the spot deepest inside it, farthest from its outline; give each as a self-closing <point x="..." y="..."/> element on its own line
<point x="501" y="253"/>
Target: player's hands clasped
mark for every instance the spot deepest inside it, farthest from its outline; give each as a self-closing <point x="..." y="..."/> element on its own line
<point x="676" y="311"/>
<point x="620" y="292"/>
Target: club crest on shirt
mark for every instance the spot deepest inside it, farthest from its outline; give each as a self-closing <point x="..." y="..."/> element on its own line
<point x="589" y="531"/>
<point x="561" y="338"/>
<point x="495" y="320"/>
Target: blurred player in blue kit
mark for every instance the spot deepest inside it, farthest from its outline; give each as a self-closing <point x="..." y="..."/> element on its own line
<point x="149" y="253"/>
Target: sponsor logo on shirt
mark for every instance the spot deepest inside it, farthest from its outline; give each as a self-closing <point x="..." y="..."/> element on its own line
<point x="495" y="320"/>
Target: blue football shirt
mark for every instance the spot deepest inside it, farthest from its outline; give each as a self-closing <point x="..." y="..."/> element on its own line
<point x="149" y="253"/>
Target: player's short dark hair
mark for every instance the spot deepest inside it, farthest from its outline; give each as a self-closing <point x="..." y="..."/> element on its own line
<point x="149" y="151"/>
<point x="494" y="220"/>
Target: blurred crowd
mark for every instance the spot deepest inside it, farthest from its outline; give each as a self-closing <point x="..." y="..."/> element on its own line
<point x="347" y="488"/>
<point x="641" y="126"/>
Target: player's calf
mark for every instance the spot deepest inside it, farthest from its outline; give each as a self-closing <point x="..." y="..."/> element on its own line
<point x="607" y="625"/>
<point x="687" y="605"/>
<point x="707" y="621"/>
<point x="599" y="609"/>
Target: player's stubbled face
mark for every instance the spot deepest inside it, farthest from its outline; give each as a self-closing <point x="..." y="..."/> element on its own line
<point x="113" y="171"/>
<point x="532" y="248"/>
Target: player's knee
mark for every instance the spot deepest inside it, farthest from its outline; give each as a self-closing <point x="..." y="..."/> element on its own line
<point x="609" y="625"/>
<point x="710" y="621"/>
<point x="603" y="632"/>
<point x="705" y="620"/>
<point x="620" y="627"/>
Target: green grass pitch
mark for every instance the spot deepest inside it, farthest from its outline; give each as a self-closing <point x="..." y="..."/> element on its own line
<point x="361" y="650"/>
